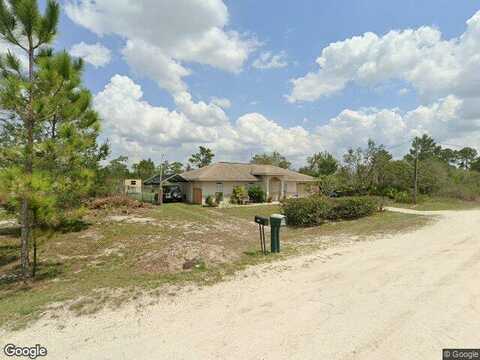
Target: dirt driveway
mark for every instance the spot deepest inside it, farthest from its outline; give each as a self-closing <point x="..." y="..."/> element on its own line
<point x="405" y="297"/>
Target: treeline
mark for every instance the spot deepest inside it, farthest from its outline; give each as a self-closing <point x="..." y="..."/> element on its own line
<point x="372" y="170"/>
<point x="110" y="178"/>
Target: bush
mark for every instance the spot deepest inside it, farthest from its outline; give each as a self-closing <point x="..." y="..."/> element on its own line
<point x="256" y="194"/>
<point x="403" y="197"/>
<point x="210" y="201"/>
<point x="218" y="197"/>
<point x="315" y="210"/>
<point x="307" y="211"/>
<point x="352" y="208"/>
<point x="239" y="194"/>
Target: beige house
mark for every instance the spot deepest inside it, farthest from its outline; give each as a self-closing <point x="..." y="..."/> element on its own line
<point x="222" y="177"/>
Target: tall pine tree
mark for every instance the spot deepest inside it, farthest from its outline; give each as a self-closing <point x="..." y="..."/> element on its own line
<point x="48" y="129"/>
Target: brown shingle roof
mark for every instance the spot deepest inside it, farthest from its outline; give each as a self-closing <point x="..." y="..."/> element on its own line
<point x="225" y="171"/>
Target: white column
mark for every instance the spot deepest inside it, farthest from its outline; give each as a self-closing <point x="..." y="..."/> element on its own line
<point x="282" y="187"/>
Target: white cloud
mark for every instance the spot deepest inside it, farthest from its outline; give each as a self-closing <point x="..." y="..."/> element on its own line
<point x="267" y="60"/>
<point x="139" y="129"/>
<point x="200" y="113"/>
<point x="433" y="66"/>
<point x="150" y="61"/>
<point x="161" y="34"/>
<point x="221" y="102"/>
<point x="95" y="54"/>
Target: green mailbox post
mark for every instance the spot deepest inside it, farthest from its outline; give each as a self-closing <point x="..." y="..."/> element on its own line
<point x="276" y="221"/>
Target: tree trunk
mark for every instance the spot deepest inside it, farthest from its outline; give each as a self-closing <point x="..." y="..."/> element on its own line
<point x="34" y="267"/>
<point x="26" y="214"/>
<point x="25" y="222"/>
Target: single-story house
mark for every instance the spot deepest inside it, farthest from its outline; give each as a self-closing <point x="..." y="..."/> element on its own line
<point x="222" y="177"/>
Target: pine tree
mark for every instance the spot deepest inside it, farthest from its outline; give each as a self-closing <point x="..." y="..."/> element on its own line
<point x="26" y="29"/>
<point x="48" y="129"/>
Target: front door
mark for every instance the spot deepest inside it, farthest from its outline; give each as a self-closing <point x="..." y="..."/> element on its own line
<point x="197" y="196"/>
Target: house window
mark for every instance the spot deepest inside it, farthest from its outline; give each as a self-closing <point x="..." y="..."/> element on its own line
<point x="133" y="182"/>
<point x="219" y="187"/>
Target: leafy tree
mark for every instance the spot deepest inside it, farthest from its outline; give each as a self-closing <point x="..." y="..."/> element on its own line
<point x="322" y="163"/>
<point x="110" y="178"/>
<point x="449" y="156"/>
<point x="144" y="169"/>
<point x="466" y="157"/>
<point x="174" y="168"/>
<point x="203" y="158"/>
<point x="475" y="166"/>
<point x="275" y="159"/>
<point x="376" y="160"/>
<point x="353" y="170"/>
<point x="426" y="148"/>
<point x="169" y="169"/>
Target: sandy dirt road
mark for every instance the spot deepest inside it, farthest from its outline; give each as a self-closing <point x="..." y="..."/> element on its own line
<point x="404" y="297"/>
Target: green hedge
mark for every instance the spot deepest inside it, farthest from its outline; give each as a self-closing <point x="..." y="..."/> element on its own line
<point x="315" y="210"/>
<point x="256" y="194"/>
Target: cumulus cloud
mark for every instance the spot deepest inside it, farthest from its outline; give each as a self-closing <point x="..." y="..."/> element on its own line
<point x="391" y="127"/>
<point x="161" y="34"/>
<point x="200" y="113"/>
<point x="139" y="129"/>
<point x="152" y="62"/>
<point x="95" y="54"/>
<point x="434" y="66"/>
<point x="267" y="60"/>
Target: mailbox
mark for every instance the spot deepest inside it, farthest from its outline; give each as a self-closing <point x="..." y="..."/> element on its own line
<point x="262" y="220"/>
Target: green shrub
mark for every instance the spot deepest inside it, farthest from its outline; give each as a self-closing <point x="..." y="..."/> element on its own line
<point x="210" y="201"/>
<point x="239" y="194"/>
<point x="315" y="210"/>
<point x="218" y="197"/>
<point x="403" y="197"/>
<point x="256" y="194"/>
<point x="352" y="208"/>
<point x="307" y="211"/>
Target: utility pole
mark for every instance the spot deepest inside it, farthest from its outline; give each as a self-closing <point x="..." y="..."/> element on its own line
<point x="160" y="195"/>
<point x="415" y="176"/>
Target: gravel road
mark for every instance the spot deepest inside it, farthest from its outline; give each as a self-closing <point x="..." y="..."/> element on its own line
<point x="403" y="297"/>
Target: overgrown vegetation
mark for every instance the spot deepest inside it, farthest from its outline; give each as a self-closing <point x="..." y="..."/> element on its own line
<point x="316" y="210"/>
<point x="439" y="172"/>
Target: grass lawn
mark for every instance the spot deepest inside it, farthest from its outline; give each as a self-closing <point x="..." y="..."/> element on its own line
<point x="249" y="212"/>
<point x="438" y="203"/>
<point x="122" y="254"/>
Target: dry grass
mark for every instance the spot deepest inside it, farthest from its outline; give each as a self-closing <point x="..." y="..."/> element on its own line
<point x="439" y="203"/>
<point x="121" y="254"/>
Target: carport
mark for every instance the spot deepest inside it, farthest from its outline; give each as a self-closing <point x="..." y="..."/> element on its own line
<point x="153" y="184"/>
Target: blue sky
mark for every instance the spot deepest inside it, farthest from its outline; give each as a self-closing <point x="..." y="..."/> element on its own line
<point x="393" y="96"/>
